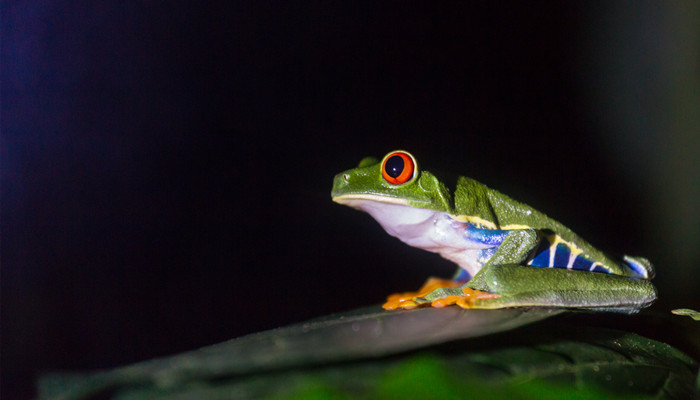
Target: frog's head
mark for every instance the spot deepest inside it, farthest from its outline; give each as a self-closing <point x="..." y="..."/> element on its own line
<point x="395" y="180"/>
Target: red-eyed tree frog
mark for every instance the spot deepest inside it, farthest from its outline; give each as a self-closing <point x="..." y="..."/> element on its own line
<point x="508" y="253"/>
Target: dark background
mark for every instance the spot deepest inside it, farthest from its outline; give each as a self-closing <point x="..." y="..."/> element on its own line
<point x="166" y="166"/>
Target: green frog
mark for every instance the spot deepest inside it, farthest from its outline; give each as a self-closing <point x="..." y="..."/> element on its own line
<point x="508" y="253"/>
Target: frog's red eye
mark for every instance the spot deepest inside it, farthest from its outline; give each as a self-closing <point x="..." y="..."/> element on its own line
<point x="398" y="167"/>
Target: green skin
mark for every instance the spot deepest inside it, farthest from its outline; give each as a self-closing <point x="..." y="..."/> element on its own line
<point x="505" y="273"/>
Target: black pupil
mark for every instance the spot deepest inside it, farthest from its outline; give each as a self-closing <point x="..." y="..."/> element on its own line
<point x="394" y="166"/>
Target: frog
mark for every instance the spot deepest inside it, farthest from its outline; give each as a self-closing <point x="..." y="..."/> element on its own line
<point x="508" y="254"/>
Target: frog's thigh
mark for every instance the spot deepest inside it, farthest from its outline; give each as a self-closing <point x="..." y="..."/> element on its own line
<point x="514" y="250"/>
<point x="520" y="285"/>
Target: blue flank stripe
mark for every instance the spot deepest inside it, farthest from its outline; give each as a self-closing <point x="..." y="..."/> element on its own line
<point x="599" y="268"/>
<point x="561" y="257"/>
<point x="492" y="237"/>
<point x="541" y="258"/>
<point x="582" y="264"/>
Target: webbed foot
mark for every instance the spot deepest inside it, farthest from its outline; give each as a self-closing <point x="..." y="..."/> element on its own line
<point x="409" y="300"/>
<point x="468" y="299"/>
<point x="437" y="293"/>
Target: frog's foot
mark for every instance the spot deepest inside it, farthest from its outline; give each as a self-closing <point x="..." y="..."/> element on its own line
<point x="409" y="300"/>
<point x="468" y="299"/>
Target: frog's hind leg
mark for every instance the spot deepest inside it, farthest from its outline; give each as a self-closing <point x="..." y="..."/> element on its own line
<point x="547" y="287"/>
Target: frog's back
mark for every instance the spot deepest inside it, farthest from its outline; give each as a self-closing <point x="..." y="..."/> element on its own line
<point x="495" y="210"/>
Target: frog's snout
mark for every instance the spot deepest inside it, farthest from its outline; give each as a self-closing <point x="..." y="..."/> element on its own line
<point x="340" y="181"/>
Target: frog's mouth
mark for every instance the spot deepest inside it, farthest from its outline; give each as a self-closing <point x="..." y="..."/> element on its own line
<point x="355" y="199"/>
<point x="410" y="224"/>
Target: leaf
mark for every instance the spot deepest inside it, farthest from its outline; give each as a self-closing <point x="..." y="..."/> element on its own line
<point x="368" y="332"/>
<point x="687" y="311"/>
<point x="370" y="353"/>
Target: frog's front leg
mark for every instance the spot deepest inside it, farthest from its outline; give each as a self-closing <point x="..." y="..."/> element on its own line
<point x="514" y="249"/>
<point x="436" y="292"/>
<point x="409" y="300"/>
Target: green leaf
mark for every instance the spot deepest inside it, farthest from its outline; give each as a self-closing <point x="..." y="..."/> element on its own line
<point x="687" y="311"/>
<point x="424" y="353"/>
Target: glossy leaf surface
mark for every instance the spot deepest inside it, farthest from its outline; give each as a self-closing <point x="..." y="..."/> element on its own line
<point x="370" y="353"/>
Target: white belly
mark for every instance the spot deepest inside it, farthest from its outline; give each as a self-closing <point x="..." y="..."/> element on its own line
<point x="426" y="229"/>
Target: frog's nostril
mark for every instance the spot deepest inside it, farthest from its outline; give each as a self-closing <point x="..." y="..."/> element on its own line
<point x="346" y="177"/>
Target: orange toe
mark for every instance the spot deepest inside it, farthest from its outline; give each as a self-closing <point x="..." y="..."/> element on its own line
<point x="396" y="304"/>
<point x="447" y="301"/>
<point x="406" y="300"/>
<point x="472" y="295"/>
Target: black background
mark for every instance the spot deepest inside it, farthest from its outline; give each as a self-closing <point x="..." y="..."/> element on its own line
<point x="167" y="165"/>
